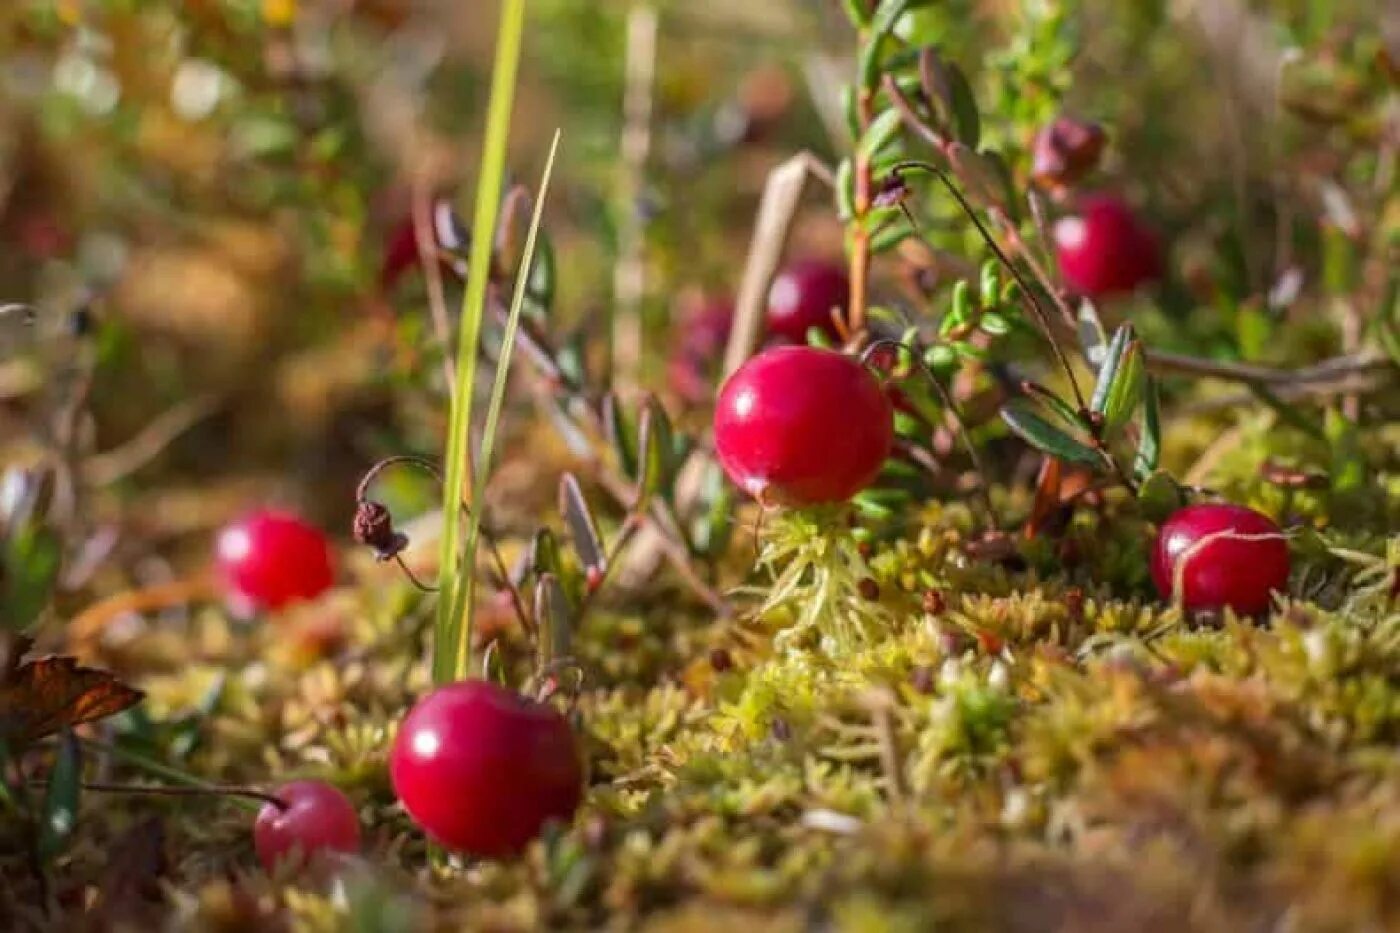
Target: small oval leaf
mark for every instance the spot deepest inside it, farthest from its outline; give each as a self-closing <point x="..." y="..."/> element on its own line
<point x="655" y="446"/>
<point x="1022" y="419"/>
<point x="583" y="528"/>
<point x="1121" y="378"/>
<point x="620" y="435"/>
<point x="556" y="618"/>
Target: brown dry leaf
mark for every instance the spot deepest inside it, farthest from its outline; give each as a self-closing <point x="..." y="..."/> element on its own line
<point x="48" y="694"/>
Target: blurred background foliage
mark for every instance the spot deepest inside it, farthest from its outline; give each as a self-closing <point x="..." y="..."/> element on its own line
<point x="219" y="181"/>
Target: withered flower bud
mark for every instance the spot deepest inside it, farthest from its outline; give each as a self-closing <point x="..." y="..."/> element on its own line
<point x="1065" y="151"/>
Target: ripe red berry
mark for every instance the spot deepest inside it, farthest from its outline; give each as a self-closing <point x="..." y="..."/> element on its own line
<point x="481" y="769"/>
<point x="700" y="341"/>
<point x="268" y="559"/>
<point x="801" y="426"/>
<point x="318" y="818"/>
<point x="1240" y="568"/>
<point x="803" y="296"/>
<point x="400" y="253"/>
<point x="1106" y="249"/>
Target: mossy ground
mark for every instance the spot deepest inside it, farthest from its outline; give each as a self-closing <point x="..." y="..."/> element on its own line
<point x="1016" y="738"/>
<point x="1033" y="747"/>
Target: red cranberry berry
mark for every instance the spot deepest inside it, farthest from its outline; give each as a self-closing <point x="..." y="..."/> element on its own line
<point x="481" y="769"/>
<point x="1240" y="568"/>
<point x="802" y="425"/>
<point x="400" y="254"/>
<point x="269" y="559"/>
<point x="803" y="296"/>
<point x="318" y="818"/>
<point x="1106" y="249"/>
<point x="701" y="338"/>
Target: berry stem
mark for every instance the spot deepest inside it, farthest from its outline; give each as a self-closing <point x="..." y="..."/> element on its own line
<point x="172" y="774"/>
<point x="220" y="790"/>
<point x="1029" y="297"/>
<point x="492" y="545"/>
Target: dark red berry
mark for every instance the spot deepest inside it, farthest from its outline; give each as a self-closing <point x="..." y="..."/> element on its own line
<point x="481" y="769"/>
<point x="1226" y="555"/>
<point x="400" y="253"/>
<point x="318" y="818"/>
<point x="269" y="559"/>
<point x="803" y="296"/>
<point x="1065" y="150"/>
<point x="801" y="426"/>
<point x="700" y="341"/>
<point x="1106" y="250"/>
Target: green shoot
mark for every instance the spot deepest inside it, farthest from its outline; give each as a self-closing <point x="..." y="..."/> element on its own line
<point x="452" y="562"/>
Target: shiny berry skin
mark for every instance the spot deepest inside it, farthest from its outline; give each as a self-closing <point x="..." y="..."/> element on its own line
<point x="482" y="769"/>
<point x="1106" y="249"/>
<point x="801" y="426"/>
<point x="269" y="559"/>
<point x="1240" y="573"/>
<point x="318" y="818"/>
<point x="803" y="296"/>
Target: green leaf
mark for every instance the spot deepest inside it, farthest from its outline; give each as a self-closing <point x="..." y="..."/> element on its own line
<point x="539" y="286"/>
<point x="940" y="357"/>
<point x="966" y="122"/>
<point x="1092" y="335"/>
<point x="1159" y="496"/>
<point x="989" y="284"/>
<point x="857" y="12"/>
<point x="1150" y="445"/>
<point x="545" y="556"/>
<point x="1253" y="327"/>
<point x="493" y="669"/>
<point x="961" y="305"/>
<point x="60" y="811"/>
<point x="712" y="530"/>
<point x="890" y="236"/>
<point x="620" y="435"/>
<point x="1348" y="466"/>
<point x="556" y="620"/>
<point x="1121" y="377"/>
<point x="1053" y="403"/>
<point x="29" y="564"/>
<point x="583" y="528"/>
<point x="886" y="15"/>
<point x="845" y="190"/>
<point x="655" y="445"/>
<point x="1023" y="420"/>
<point x="881" y="130"/>
<point x="995" y="324"/>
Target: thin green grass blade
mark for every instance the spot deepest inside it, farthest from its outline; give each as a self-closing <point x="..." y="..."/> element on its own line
<point x="467" y="588"/>
<point x="447" y="633"/>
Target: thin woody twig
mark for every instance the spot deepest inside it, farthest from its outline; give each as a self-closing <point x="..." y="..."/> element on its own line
<point x="1321" y="378"/>
<point x="106" y="468"/>
<point x="159" y="790"/>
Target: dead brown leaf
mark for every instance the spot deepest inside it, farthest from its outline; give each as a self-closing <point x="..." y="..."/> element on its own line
<point x="45" y="695"/>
